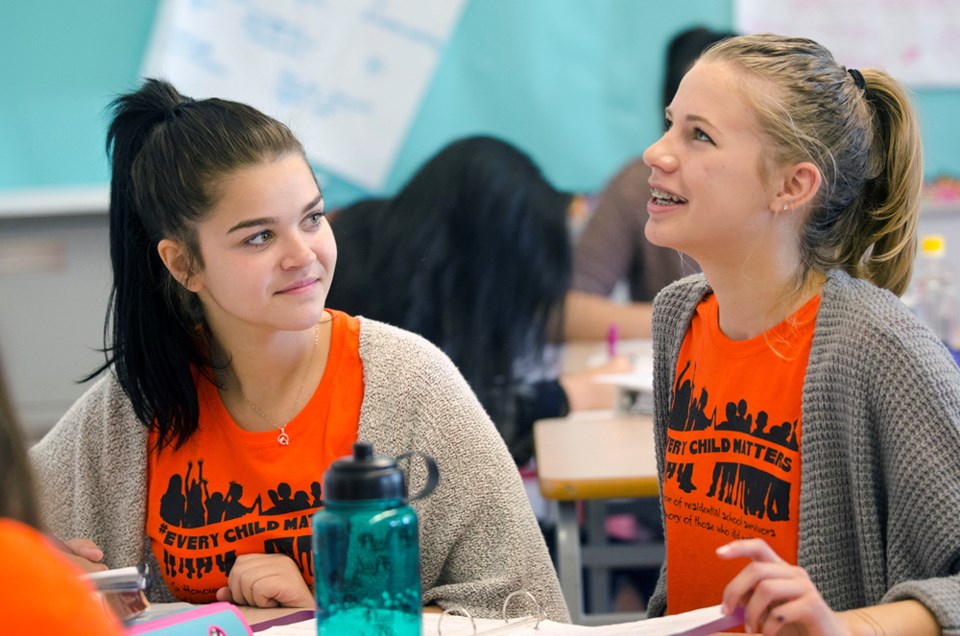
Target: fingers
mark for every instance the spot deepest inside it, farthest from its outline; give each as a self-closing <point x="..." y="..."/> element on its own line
<point x="266" y="580"/>
<point x="777" y="597"/>
<point x="756" y="578"/>
<point x="740" y="589"/>
<point x="764" y="611"/>
<point x="83" y="553"/>
<point x="85" y="548"/>
<point x="754" y="549"/>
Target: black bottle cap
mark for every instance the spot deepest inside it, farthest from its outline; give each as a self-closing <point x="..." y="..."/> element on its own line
<point x="364" y="476"/>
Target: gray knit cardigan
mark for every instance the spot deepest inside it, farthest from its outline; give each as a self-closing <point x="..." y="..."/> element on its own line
<point x="479" y="538"/>
<point x="880" y="479"/>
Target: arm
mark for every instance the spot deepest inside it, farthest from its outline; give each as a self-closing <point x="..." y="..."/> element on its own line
<point x="91" y="476"/>
<point x="589" y="316"/>
<point x="608" y="245"/>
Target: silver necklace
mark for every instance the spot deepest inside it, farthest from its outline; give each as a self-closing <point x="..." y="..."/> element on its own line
<point x="283" y="438"/>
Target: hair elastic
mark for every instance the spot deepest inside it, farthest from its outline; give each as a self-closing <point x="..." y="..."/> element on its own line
<point x="857" y="78"/>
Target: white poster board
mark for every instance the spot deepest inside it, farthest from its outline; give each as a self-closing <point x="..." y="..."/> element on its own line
<point x="916" y="41"/>
<point x="346" y="75"/>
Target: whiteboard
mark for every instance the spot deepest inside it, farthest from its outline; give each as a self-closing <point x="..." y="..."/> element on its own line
<point x="916" y="41"/>
<point x="346" y="75"/>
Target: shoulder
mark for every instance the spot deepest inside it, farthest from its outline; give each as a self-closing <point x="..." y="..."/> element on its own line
<point x="856" y="307"/>
<point x="867" y="329"/>
<point x="681" y="295"/>
<point x="103" y="412"/>
<point x="381" y="343"/>
<point x="399" y="364"/>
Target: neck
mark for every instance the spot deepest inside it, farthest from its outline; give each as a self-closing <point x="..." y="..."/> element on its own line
<point x="267" y="380"/>
<point x="753" y="302"/>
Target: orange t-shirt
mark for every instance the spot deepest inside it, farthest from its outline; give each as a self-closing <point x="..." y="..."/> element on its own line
<point x="228" y="492"/>
<point x="41" y="591"/>
<point x="733" y="450"/>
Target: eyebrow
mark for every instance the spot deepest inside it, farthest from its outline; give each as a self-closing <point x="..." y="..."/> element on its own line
<point x="267" y="220"/>
<point x="699" y="118"/>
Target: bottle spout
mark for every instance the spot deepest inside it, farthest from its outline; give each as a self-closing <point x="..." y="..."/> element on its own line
<point x="362" y="451"/>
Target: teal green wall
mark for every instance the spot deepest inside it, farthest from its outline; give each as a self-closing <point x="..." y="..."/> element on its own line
<point x="574" y="82"/>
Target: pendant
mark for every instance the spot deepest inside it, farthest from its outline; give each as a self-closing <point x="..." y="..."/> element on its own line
<point x="283" y="439"/>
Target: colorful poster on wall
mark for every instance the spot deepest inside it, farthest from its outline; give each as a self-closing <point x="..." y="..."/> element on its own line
<point x="346" y="76"/>
<point x="916" y="41"/>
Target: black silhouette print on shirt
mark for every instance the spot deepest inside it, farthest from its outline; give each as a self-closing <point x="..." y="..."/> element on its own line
<point x="204" y="523"/>
<point x="759" y="493"/>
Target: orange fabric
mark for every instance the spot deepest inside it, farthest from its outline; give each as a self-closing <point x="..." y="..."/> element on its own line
<point x="40" y="590"/>
<point x="733" y="450"/>
<point x="228" y="492"/>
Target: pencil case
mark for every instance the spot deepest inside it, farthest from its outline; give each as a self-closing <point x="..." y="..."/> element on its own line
<point x="215" y="619"/>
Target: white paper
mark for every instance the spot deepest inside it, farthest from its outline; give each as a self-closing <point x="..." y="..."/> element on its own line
<point x="696" y="623"/>
<point x="916" y="41"/>
<point x="347" y="77"/>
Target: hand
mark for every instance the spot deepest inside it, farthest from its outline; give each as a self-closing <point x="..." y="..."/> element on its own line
<point x="84" y="553"/>
<point x="778" y="598"/>
<point x="266" y="580"/>
<point x="584" y="393"/>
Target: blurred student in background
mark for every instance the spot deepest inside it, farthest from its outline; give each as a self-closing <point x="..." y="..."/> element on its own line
<point x="473" y="254"/>
<point x="612" y="247"/>
<point x="40" y="589"/>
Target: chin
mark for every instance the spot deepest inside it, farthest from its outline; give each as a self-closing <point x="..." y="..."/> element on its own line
<point x="660" y="237"/>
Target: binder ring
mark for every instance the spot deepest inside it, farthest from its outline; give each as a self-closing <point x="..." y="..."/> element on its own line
<point x="450" y="610"/>
<point x="510" y="596"/>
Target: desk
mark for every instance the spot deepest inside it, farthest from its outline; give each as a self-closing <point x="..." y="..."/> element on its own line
<point x="594" y="455"/>
<point x="579" y="355"/>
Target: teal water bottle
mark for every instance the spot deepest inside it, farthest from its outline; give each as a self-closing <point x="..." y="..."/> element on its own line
<point x="366" y="548"/>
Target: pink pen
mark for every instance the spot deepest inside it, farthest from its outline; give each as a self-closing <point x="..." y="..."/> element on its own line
<point x="612" y="335"/>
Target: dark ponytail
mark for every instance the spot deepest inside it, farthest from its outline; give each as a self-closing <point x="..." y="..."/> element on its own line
<point x="168" y="152"/>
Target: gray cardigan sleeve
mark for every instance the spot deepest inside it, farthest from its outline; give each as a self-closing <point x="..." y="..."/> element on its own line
<point x="479" y="537"/>
<point x="91" y="474"/>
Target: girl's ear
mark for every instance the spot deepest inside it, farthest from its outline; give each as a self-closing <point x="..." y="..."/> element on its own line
<point x="175" y="258"/>
<point x="800" y="184"/>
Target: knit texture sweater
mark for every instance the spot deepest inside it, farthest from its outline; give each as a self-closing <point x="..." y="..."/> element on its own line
<point x="479" y="539"/>
<point x="880" y="455"/>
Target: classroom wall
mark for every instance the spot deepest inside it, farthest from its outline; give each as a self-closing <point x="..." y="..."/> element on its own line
<point x="574" y="82"/>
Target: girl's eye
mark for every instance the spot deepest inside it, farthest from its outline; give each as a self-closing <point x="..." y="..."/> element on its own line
<point x="699" y="135"/>
<point x="315" y="218"/>
<point x="667" y="124"/>
<point x="260" y="238"/>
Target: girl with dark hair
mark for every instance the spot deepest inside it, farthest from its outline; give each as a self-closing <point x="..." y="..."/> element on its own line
<point x="473" y="254"/>
<point x="805" y="415"/>
<point x="40" y="590"/>
<point x="227" y="376"/>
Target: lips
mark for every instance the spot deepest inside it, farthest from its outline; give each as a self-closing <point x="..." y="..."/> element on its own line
<point x="300" y="285"/>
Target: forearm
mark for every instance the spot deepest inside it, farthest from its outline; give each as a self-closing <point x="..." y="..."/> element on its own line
<point x="902" y="618"/>
<point x="590" y="316"/>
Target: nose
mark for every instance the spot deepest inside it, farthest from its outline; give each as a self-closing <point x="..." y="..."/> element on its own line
<point x="298" y="252"/>
<point x="659" y="156"/>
